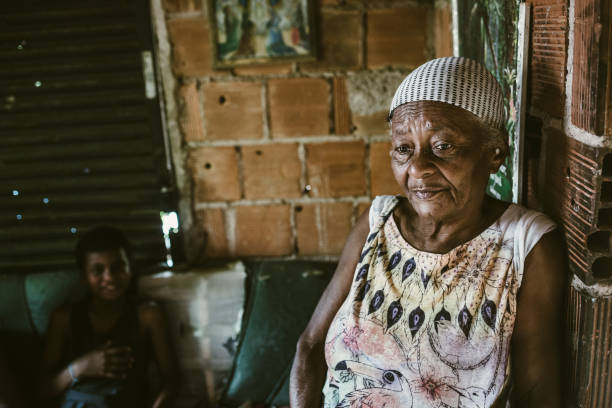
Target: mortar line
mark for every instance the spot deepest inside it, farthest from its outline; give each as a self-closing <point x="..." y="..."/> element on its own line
<point x="274" y="201"/>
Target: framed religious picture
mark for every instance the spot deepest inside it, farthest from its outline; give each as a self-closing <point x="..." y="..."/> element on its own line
<point x="261" y="31"/>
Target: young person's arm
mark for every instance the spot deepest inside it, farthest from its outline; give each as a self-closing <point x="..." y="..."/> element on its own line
<point x="309" y="367"/>
<point x="53" y="382"/>
<point x="154" y="322"/>
<point x="109" y="362"/>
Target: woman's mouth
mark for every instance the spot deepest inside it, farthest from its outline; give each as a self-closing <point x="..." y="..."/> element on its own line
<point x="426" y="194"/>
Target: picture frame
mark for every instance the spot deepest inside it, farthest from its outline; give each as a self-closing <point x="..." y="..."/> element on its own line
<point x="252" y="32"/>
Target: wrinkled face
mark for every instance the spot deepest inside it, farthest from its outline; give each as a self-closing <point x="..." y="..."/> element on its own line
<point x="439" y="160"/>
<point x="107" y="273"/>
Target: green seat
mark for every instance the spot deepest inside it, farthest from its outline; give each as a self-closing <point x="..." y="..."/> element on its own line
<point x="281" y="298"/>
<point x="46" y="291"/>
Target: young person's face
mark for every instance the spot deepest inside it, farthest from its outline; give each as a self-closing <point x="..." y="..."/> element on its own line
<point x="107" y="273"/>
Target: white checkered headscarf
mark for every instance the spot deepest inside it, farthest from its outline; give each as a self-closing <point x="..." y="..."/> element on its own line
<point x="457" y="81"/>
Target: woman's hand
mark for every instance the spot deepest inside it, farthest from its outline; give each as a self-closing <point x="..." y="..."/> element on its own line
<point x="107" y="361"/>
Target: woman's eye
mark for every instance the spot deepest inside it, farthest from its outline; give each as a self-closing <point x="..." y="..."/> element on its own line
<point x="403" y="149"/>
<point x="443" y="147"/>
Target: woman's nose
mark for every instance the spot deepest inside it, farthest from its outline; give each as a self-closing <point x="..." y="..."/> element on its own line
<point x="421" y="165"/>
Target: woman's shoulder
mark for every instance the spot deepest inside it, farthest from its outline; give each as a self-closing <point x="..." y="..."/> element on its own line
<point x="381" y="207"/>
<point x="527" y="220"/>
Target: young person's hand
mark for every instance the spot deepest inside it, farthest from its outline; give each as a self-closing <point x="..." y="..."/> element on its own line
<point x="107" y="361"/>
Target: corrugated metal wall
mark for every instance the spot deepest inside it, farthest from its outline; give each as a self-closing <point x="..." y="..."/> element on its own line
<point x="80" y="143"/>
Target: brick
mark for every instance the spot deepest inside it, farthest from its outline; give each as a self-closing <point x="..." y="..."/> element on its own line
<point x="339" y="41"/>
<point x="382" y="180"/>
<point x="271" y="171"/>
<point x="322" y="228"/>
<point x="298" y="107"/>
<point x="443" y="34"/>
<point x="215" y="174"/>
<point x="263" y="230"/>
<point x="375" y="124"/>
<point x="212" y="222"/>
<point x="336" y="169"/>
<point x="260" y="70"/>
<point x="191" y="117"/>
<point x="181" y="6"/>
<point x="396" y="37"/>
<point x="233" y="110"/>
<point x="548" y="56"/>
<point x="191" y="54"/>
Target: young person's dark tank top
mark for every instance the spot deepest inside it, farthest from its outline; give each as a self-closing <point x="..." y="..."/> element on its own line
<point x="97" y="392"/>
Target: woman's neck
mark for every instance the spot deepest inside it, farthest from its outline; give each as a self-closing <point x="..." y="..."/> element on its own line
<point x="440" y="235"/>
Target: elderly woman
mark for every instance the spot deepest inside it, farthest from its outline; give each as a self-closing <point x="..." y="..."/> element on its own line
<point x="443" y="296"/>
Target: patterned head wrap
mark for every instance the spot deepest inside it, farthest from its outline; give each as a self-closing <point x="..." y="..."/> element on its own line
<point x="457" y="81"/>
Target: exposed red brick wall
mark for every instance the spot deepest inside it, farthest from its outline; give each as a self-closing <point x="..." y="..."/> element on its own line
<point x="280" y="160"/>
<point x="390" y="30"/>
<point x="322" y="228"/>
<point x="298" y="107"/>
<point x="233" y="110"/>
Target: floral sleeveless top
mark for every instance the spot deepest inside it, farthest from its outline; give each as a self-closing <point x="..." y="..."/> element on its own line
<point x="421" y="329"/>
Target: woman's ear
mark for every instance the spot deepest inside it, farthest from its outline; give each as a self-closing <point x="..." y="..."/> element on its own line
<point x="499" y="155"/>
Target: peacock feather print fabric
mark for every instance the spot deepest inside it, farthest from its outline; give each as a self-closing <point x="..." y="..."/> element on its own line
<point x="423" y="330"/>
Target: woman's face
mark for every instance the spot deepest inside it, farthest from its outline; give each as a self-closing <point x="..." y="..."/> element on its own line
<point x="107" y="273"/>
<point x="439" y="160"/>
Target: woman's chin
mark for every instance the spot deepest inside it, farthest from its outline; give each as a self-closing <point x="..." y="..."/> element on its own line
<point x="430" y="205"/>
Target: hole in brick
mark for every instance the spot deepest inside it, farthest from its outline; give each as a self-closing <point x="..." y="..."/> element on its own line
<point x="602" y="268"/>
<point x="207" y="166"/>
<point x="307" y="188"/>
<point x="607" y="166"/>
<point x="599" y="241"/>
<point x="258" y="152"/>
<point x="221" y="100"/>
<point x="606" y="191"/>
<point x="568" y="172"/>
<point x="298" y="208"/>
<point x="604" y="219"/>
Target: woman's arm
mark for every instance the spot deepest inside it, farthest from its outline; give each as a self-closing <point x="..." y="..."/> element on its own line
<point x="309" y="367"/>
<point x="153" y="319"/>
<point x="537" y="342"/>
